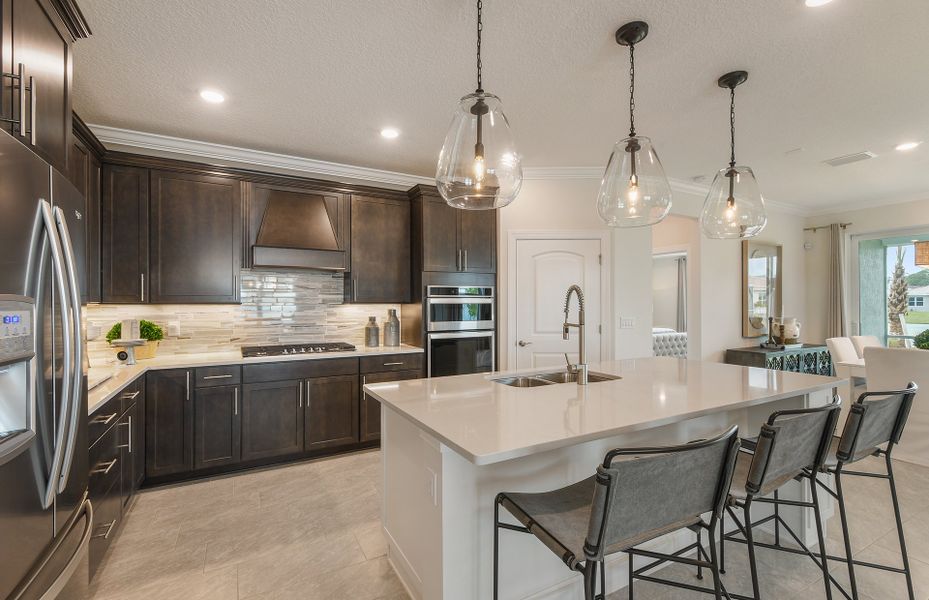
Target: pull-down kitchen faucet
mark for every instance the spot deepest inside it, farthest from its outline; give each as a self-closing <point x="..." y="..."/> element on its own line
<point x="581" y="367"/>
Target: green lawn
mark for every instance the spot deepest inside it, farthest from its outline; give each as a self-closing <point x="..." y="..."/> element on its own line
<point x="917" y="317"/>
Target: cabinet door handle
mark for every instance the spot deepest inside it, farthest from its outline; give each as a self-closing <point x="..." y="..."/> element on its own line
<point x="142" y="285"/>
<point x="465" y="260"/>
<point x="300" y="396"/>
<point x="32" y="105"/>
<point x="458" y="264"/>
<point x="187" y="390"/>
<point x="354" y="289"/>
<point x="109" y="528"/>
<point x="129" y="444"/>
<point x="235" y="401"/>
<point x="103" y="419"/>
<point x="105" y="470"/>
<point x="226" y="376"/>
<point x="393" y="364"/>
<point x="21" y="74"/>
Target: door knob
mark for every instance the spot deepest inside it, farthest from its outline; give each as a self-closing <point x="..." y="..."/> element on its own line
<point x="523" y="343"/>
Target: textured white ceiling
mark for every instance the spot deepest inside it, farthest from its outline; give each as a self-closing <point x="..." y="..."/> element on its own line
<point x="319" y="79"/>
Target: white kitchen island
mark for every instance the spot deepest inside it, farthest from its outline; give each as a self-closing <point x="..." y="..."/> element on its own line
<point x="451" y="444"/>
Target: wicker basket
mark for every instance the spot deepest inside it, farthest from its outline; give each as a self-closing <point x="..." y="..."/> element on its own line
<point x="148" y="350"/>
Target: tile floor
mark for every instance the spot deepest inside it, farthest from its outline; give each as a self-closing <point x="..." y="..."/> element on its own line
<point x="310" y="531"/>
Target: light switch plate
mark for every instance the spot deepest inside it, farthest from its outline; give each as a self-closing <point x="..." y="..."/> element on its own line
<point x="627" y="323"/>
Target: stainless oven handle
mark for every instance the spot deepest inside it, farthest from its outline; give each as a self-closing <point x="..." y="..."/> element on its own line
<point x="460" y="300"/>
<point x="460" y="334"/>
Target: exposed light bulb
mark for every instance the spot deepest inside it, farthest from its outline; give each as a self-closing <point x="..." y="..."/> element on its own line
<point x="479" y="169"/>
<point x="632" y="193"/>
<point x="730" y="210"/>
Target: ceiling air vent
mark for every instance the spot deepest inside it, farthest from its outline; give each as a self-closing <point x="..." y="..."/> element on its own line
<point x="838" y="161"/>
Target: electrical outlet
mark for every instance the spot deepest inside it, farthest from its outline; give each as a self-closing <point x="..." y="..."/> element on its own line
<point x="174" y="329"/>
<point x="627" y="323"/>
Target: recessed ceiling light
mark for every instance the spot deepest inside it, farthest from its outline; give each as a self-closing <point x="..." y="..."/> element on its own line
<point x="905" y="146"/>
<point x="815" y="3"/>
<point x="212" y="96"/>
<point x="390" y="133"/>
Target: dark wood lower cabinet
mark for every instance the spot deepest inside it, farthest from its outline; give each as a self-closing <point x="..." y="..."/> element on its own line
<point x="217" y="427"/>
<point x="371" y="408"/>
<point x="331" y="412"/>
<point x="272" y="419"/>
<point x="168" y="422"/>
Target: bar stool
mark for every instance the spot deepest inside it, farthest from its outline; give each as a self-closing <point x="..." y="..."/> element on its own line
<point x="877" y="418"/>
<point x="638" y="494"/>
<point x="793" y="444"/>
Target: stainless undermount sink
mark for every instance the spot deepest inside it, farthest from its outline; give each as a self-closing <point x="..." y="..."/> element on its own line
<point x="540" y="379"/>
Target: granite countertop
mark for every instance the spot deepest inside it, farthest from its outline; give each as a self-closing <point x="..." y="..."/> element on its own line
<point x="487" y="422"/>
<point x="114" y="378"/>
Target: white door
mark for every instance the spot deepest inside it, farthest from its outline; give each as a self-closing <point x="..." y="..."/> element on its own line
<point x="545" y="269"/>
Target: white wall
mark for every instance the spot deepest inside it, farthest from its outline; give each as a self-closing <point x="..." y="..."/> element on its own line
<point x="714" y="321"/>
<point x="895" y="217"/>
<point x="664" y="291"/>
<point x="566" y="204"/>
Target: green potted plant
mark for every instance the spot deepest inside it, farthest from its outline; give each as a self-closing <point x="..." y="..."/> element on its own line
<point x="921" y="341"/>
<point x="150" y="332"/>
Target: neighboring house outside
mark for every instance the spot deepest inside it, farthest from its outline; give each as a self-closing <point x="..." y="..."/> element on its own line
<point x="917" y="299"/>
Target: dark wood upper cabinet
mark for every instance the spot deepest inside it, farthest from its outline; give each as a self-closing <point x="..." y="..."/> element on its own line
<point x="168" y="422"/>
<point x="84" y="172"/>
<point x="331" y="412"/>
<point x="196" y="238"/>
<point x="217" y="426"/>
<point x="36" y="36"/>
<point x="124" y="234"/>
<point x="450" y="240"/>
<point x="477" y="237"/>
<point x="380" y="250"/>
<point x="272" y="419"/>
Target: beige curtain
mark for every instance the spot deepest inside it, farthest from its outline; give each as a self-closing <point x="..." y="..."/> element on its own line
<point x="835" y="317"/>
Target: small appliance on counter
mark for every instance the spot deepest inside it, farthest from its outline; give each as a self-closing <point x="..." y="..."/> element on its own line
<point x="290" y="349"/>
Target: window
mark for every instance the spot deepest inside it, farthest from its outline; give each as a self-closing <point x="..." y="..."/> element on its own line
<point x="916" y="301"/>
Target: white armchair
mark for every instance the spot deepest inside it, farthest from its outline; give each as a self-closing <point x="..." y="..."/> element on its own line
<point x="891" y="369"/>
<point x="860" y="342"/>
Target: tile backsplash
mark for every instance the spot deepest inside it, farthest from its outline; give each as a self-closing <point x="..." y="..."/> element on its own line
<point x="278" y="307"/>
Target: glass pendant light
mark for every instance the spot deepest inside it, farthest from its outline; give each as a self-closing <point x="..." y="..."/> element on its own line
<point x="734" y="207"/>
<point x="479" y="168"/>
<point x="634" y="191"/>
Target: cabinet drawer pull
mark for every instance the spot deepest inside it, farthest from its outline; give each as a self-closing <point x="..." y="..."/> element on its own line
<point x="105" y="470"/>
<point x="109" y="529"/>
<point x="226" y="376"/>
<point x="393" y="364"/>
<point x="131" y="395"/>
<point x="142" y="285"/>
<point x="32" y="105"/>
<point x="103" y="419"/>
<point x="21" y="75"/>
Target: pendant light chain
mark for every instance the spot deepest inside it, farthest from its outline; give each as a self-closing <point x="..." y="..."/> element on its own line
<point x="480" y="28"/>
<point x="732" y="127"/>
<point x="632" y="90"/>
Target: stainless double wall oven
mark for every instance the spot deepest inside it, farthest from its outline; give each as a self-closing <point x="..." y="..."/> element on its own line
<point x="460" y="329"/>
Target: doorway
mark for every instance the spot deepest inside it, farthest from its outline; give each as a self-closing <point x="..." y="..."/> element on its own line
<point x="546" y="265"/>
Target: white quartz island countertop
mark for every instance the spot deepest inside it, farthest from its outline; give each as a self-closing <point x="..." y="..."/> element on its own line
<point x="487" y="422"/>
<point x="108" y="380"/>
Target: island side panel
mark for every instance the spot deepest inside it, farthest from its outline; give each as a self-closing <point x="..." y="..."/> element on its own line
<point x="441" y="542"/>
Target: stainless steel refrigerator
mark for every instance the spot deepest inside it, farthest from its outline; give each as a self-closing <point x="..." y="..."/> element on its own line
<point x="45" y="517"/>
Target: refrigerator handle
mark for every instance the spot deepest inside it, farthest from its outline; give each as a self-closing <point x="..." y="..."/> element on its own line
<point x="66" y="331"/>
<point x="77" y="390"/>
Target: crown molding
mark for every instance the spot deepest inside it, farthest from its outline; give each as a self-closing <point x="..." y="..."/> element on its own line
<point x="181" y="147"/>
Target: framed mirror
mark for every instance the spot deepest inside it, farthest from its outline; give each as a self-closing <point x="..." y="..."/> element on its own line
<point x="761" y="286"/>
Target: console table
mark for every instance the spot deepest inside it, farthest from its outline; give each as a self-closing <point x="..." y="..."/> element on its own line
<point x="811" y="358"/>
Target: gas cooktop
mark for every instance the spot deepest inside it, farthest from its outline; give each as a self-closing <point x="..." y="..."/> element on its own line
<point x="288" y="349"/>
